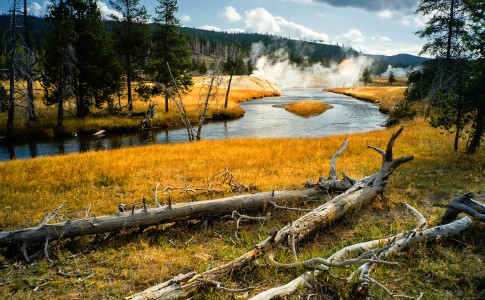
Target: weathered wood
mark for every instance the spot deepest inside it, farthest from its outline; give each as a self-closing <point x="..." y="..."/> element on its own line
<point x="398" y="243"/>
<point x="149" y="217"/>
<point x="466" y="205"/>
<point x="361" y="193"/>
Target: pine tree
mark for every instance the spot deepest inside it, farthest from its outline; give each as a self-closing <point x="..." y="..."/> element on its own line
<point x="392" y="78"/>
<point x="131" y="39"/>
<point x="366" y="77"/>
<point x="99" y="69"/>
<point x="171" y="51"/>
<point x="60" y="60"/>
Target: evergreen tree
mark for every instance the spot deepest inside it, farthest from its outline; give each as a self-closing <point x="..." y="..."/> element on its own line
<point x="445" y="28"/>
<point x="475" y="45"/>
<point x="99" y="69"/>
<point x="3" y="98"/>
<point x="249" y="67"/>
<point x="453" y="81"/>
<point x="392" y="78"/>
<point x="60" y="60"/>
<point x="131" y="39"/>
<point x="171" y="51"/>
<point x="366" y="77"/>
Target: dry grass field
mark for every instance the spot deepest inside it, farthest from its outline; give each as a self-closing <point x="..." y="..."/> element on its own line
<point x="307" y="108"/>
<point x="385" y="96"/>
<point x="130" y="261"/>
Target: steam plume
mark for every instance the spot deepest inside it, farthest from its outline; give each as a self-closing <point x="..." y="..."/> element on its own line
<point x="277" y="67"/>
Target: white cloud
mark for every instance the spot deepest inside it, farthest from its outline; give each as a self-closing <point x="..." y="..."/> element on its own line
<point x="106" y="11"/>
<point x="37" y="9"/>
<point x="380" y="38"/>
<point x="354" y="35"/>
<point x="385" y="14"/>
<point x="407" y="20"/>
<point x="231" y="15"/>
<point x="261" y="21"/>
<point x="235" y="30"/>
<point x="300" y="1"/>
<point x="185" y="18"/>
<point x="210" y="27"/>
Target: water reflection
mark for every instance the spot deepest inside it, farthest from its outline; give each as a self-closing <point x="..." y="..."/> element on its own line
<point x="261" y="120"/>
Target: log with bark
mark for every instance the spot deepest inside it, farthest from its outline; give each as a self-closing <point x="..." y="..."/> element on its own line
<point x="361" y="193"/>
<point x="144" y="217"/>
<point x="464" y="204"/>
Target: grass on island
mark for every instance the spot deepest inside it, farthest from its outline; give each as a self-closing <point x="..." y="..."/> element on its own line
<point x="99" y="118"/>
<point x="307" y="108"/>
<point x="131" y="261"/>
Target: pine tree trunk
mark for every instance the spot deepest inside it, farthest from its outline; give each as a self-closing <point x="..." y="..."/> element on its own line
<point x="128" y="84"/>
<point x="478" y="132"/>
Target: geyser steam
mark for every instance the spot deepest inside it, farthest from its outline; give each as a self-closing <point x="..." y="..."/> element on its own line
<point x="277" y="67"/>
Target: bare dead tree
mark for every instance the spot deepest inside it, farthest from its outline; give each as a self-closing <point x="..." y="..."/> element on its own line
<point x="20" y="63"/>
<point x="205" y="96"/>
<point x="209" y="96"/>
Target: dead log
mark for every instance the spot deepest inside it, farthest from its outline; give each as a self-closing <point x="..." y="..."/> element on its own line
<point x="464" y="204"/>
<point x="361" y="193"/>
<point x="149" y="217"/>
<point x="395" y="244"/>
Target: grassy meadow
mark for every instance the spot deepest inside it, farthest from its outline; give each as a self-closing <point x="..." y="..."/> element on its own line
<point x="130" y="261"/>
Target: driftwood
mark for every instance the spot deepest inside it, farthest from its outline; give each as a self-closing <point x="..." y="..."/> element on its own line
<point x="466" y="205"/>
<point x="359" y="194"/>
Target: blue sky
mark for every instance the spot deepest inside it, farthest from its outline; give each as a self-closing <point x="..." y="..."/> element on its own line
<point x="371" y="26"/>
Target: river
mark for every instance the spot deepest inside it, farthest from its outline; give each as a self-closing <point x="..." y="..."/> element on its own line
<point x="262" y="120"/>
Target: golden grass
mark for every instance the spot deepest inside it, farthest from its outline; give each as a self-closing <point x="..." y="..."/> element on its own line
<point x="307" y="108"/>
<point x="386" y="97"/>
<point x="131" y="261"/>
<point x="384" y="81"/>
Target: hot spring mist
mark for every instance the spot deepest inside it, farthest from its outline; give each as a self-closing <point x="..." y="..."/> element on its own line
<point x="278" y="68"/>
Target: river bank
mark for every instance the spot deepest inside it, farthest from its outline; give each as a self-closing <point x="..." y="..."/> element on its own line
<point x="386" y="96"/>
<point x="243" y="88"/>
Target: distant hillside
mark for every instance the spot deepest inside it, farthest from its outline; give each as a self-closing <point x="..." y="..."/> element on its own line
<point x="401" y="60"/>
<point x="223" y="44"/>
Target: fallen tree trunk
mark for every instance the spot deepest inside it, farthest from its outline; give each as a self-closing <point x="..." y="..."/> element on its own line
<point x="464" y="204"/>
<point x="148" y="217"/>
<point x="361" y="193"/>
<point x="395" y="244"/>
